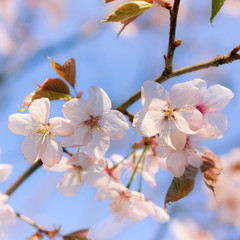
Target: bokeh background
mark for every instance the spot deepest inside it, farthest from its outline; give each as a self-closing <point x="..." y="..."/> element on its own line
<point x="32" y="30"/>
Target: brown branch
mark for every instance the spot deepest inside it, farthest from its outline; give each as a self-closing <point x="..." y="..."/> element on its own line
<point x="24" y="176"/>
<point x="172" y="32"/>
<point x="215" y="62"/>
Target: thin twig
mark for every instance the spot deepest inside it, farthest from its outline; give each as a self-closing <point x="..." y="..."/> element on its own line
<point x="24" y="176"/>
<point x="29" y="221"/>
<point x="172" y="32"/>
<point x="215" y="62"/>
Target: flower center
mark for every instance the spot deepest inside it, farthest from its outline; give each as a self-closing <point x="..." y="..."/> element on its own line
<point x="92" y="122"/>
<point x="169" y="113"/>
<point x="43" y="131"/>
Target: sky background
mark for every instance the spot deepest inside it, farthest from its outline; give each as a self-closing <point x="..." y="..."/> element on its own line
<point x="65" y="29"/>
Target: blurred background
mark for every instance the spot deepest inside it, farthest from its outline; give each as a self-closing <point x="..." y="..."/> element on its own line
<point x="32" y="30"/>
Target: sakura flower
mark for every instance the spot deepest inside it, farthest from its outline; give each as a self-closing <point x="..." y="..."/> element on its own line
<point x="94" y="122"/>
<point x="211" y="102"/>
<point x="41" y="137"/>
<point x="82" y="168"/>
<point x="171" y="115"/>
<point x="130" y="204"/>
<point x="191" y="154"/>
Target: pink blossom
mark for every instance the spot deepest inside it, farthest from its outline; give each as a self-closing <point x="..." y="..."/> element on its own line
<point x="82" y="168"/>
<point x="130" y="204"/>
<point x="95" y="122"/>
<point x="191" y="154"/>
<point x="171" y="115"/>
<point x="41" y="137"/>
<point x="210" y="102"/>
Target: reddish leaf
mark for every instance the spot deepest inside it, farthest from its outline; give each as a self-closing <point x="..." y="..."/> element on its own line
<point x="181" y="187"/>
<point x="211" y="168"/>
<point x="54" y="85"/>
<point x="52" y="88"/>
<point x="107" y="1"/>
<point x="78" y="235"/>
<point x="67" y="71"/>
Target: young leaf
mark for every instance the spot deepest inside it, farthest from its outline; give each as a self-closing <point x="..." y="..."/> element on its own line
<point x="128" y="10"/>
<point x="52" y="88"/>
<point x="54" y="85"/>
<point x="181" y="187"/>
<point x="211" y="168"/>
<point x="67" y="71"/>
<point x="78" y="235"/>
<point x="216" y="6"/>
<point x="126" y="21"/>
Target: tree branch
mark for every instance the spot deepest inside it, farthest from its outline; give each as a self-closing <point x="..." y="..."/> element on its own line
<point x="24" y="176"/>
<point x="215" y="62"/>
<point x="172" y="32"/>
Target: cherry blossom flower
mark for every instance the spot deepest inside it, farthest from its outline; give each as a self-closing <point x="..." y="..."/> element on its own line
<point x="41" y="137"/>
<point x="211" y="102"/>
<point x="82" y="168"/>
<point x="191" y="154"/>
<point x="130" y="204"/>
<point x="94" y="122"/>
<point x="171" y="115"/>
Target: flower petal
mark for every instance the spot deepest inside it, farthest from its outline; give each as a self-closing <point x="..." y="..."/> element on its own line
<point x="157" y="213"/>
<point x="182" y="94"/>
<point x="183" y="125"/>
<point x="59" y="167"/>
<point x="98" y="102"/>
<point x="217" y="97"/>
<point x="53" y="152"/>
<point x="115" y="124"/>
<point x="5" y="171"/>
<point x="151" y="90"/>
<point x="23" y="124"/>
<point x="40" y="109"/>
<point x="172" y="137"/>
<point x="193" y="117"/>
<point x="32" y="149"/>
<point x="218" y="120"/>
<point x="71" y="182"/>
<point x="75" y="111"/>
<point x="78" y="137"/>
<point x="60" y="127"/>
<point x="148" y="123"/>
<point x="99" y="143"/>
<point x="176" y="163"/>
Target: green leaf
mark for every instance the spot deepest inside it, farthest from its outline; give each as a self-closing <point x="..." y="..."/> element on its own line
<point x="216" y="6"/>
<point x="128" y="10"/>
<point x="181" y="187"/>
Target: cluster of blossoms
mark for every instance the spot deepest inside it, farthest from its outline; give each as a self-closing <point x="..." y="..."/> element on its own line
<point x="7" y="214"/>
<point x="172" y="125"/>
<point x="182" y="119"/>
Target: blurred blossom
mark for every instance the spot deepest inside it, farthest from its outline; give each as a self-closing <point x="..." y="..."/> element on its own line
<point x="232" y="7"/>
<point x="227" y="191"/>
<point x="189" y="230"/>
